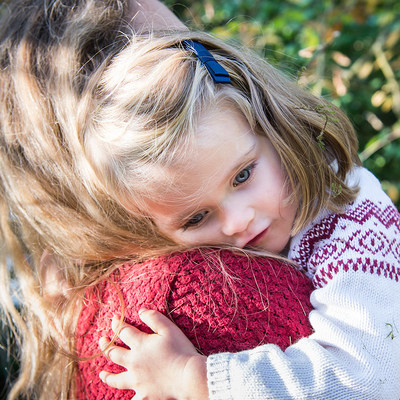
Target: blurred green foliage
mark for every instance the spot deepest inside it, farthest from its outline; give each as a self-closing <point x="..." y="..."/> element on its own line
<point x="345" y="50"/>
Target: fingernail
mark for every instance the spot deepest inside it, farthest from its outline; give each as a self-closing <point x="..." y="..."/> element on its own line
<point x="141" y="311"/>
<point x="103" y="342"/>
<point x="102" y="376"/>
<point x="114" y="323"/>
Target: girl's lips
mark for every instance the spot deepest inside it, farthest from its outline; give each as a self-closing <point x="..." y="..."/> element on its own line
<point x="256" y="239"/>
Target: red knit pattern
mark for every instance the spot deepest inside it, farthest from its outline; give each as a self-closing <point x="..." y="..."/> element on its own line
<point x="241" y="305"/>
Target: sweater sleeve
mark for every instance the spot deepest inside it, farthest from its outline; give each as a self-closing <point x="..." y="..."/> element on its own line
<point x="354" y="352"/>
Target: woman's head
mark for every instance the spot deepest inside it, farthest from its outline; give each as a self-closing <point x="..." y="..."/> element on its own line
<point x="51" y="52"/>
<point x="150" y="139"/>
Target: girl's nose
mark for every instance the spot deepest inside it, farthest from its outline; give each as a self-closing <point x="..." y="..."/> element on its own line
<point x="237" y="220"/>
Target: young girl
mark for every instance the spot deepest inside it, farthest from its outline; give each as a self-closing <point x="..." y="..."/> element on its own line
<point x="251" y="160"/>
<point x="119" y="147"/>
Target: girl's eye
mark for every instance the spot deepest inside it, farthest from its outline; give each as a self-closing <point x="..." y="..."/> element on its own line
<point x="195" y="220"/>
<point x="243" y="175"/>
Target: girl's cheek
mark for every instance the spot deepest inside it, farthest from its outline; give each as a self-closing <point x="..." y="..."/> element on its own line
<point x="204" y="235"/>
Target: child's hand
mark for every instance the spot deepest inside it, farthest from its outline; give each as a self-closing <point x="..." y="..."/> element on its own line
<point x="163" y="365"/>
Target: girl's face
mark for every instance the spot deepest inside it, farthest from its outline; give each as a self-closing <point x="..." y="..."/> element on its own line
<point x="229" y="189"/>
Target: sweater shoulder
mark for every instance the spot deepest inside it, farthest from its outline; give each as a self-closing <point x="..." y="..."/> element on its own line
<point x="368" y="227"/>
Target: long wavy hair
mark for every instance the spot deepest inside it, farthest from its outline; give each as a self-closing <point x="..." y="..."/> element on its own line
<point x="87" y="107"/>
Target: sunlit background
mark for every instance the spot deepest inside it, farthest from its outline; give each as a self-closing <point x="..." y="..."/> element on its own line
<point x="346" y="50"/>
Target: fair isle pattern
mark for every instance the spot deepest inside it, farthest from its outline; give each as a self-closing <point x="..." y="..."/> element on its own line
<point x="366" y="237"/>
<point x="366" y="265"/>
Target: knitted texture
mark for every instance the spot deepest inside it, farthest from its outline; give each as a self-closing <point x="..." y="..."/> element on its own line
<point x="221" y="300"/>
<point x="365" y="237"/>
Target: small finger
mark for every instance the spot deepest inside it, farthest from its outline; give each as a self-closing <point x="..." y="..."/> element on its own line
<point x="139" y="396"/>
<point x="117" y="381"/>
<point x="118" y="355"/>
<point x="127" y="333"/>
<point x="156" y="321"/>
<point x="103" y="343"/>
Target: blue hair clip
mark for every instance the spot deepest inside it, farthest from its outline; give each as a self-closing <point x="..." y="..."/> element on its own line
<point x="216" y="70"/>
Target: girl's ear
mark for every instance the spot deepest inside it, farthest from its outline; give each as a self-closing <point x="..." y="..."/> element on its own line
<point x="54" y="283"/>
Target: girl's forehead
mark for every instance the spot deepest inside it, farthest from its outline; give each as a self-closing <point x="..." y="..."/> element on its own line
<point x="222" y="143"/>
<point x="221" y="136"/>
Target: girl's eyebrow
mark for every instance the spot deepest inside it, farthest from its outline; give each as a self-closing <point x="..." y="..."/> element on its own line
<point x="177" y="220"/>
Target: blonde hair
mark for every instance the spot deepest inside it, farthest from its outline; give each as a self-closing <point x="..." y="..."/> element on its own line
<point x="49" y="55"/>
<point x="85" y="108"/>
<point x="153" y="93"/>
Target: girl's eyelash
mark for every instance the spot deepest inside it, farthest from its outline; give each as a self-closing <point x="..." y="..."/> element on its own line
<point x="194" y="222"/>
<point x="248" y="172"/>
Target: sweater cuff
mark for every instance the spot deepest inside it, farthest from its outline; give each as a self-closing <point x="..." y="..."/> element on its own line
<point x="218" y="377"/>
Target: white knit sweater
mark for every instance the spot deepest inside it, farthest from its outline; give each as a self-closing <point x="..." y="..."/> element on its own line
<point x="354" y="261"/>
